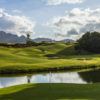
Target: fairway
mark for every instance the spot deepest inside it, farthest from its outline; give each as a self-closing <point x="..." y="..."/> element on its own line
<point x="51" y="92"/>
<point x="33" y="59"/>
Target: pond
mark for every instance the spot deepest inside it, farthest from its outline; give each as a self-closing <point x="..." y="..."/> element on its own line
<point x="87" y="77"/>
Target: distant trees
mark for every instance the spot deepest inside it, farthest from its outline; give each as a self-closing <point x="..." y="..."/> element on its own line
<point x="29" y="42"/>
<point x="28" y="37"/>
<point x="89" y="42"/>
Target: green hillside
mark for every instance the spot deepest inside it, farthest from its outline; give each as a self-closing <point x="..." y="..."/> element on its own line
<point x="55" y="56"/>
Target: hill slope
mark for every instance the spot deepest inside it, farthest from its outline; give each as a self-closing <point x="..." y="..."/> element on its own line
<point x="55" y="56"/>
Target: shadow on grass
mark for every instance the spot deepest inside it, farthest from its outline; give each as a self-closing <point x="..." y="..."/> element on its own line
<point x="51" y="92"/>
<point x="67" y="53"/>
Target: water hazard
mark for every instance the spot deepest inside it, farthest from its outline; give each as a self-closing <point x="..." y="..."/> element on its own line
<point x="87" y="77"/>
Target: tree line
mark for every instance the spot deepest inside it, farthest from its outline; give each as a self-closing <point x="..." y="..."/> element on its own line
<point x="90" y="42"/>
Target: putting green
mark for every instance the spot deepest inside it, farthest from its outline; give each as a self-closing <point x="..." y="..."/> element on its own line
<point x="51" y="92"/>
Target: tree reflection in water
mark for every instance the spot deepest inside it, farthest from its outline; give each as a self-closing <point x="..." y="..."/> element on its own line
<point x="90" y="76"/>
<point x="29" y="79"/>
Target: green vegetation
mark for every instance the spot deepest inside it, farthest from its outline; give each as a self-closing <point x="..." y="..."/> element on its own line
<point x="29" y="42"/>
<point x="89" y="42"/>
<point x="51" y="56"/>
<point x="51" y="92"/>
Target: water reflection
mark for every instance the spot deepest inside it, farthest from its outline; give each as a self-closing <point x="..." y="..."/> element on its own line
<point x="91" y="76"/>
<point x="72" y="77"/>
<point x="6" y="81"/>
<point x="29" y="79"/>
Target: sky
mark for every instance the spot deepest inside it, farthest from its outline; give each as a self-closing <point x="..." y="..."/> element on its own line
<point x="55" y="19"/>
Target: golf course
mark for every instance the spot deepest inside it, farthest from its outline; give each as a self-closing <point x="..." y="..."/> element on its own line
<point x="49" y="49"/>
<point x="53" y="56"/>
<point x="44" y="58"/>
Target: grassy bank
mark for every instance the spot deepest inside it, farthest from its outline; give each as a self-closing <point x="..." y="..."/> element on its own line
<point x="57" y="56"/>
<point x="51" y="92"/>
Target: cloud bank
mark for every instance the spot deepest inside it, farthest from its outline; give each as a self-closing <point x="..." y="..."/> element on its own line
<point x="19" y="25"/>
<point x="58" y="2"/>
<point x="76" y="23"/>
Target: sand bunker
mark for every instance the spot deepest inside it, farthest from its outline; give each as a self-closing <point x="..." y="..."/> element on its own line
<point x="56" y="57"/>
<point x="16" y="52"/>
<point x="83" y="59"/>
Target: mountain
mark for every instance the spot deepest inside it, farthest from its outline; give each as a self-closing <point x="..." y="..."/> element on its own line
<point x="67" y="40"/>
<point x="11" y="38"/>
<point x="43" y="39"/>
<point x="8" y="37"/>
<point x="48" y="40"/>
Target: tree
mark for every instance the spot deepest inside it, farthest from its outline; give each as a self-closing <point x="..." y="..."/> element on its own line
<point x="89" y="42"/>
<point x="28" y="38"/>
<point x="29" y="42"/>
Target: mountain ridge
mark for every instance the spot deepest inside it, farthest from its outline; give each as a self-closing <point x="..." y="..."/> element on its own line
<point x="11" y="38"/>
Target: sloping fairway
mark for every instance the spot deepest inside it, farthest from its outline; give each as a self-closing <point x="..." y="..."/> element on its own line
<point x="51" y="92"/>
<point x="14" y="60"/>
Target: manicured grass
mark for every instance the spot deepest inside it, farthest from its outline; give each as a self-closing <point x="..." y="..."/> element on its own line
<point x="51" y="92"/>
<point x="22" y="60"/>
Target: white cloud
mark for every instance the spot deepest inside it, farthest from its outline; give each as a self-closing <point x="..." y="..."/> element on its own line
<point x="19" y="25"/>
<point x="1" y="10"/>
<point x="76" y="23"/>
<point x="16" y="11"/>
<point x="41" y="36"/>
<point x="58" y="2"/>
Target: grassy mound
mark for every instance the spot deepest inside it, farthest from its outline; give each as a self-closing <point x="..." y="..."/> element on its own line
<point x="21" y="60"/>
<point x="51" y="92"/>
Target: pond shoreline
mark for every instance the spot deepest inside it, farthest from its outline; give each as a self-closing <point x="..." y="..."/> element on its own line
<point x="53" y="69"/>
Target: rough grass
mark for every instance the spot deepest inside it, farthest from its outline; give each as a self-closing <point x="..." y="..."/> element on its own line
<point x="51" y="92"/>
<point x="21" y="60"/>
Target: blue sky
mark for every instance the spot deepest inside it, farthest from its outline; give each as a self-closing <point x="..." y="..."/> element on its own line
<point x="41" y="12"/>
